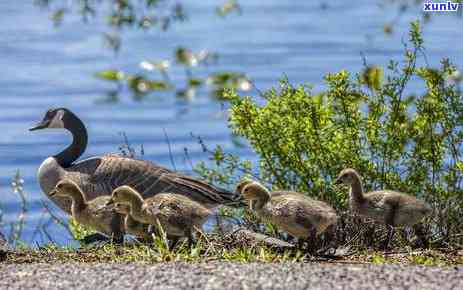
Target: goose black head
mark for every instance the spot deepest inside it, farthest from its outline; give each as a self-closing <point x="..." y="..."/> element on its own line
<point x="54" y="118"/>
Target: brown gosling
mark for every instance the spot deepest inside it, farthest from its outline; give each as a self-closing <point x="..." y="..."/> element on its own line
<point x="92" y="213"/>
<point x="132" y="227"/>
<point x="177" y="214"/>
<point x="395" y="209"/>
<point x="293" y="212"/>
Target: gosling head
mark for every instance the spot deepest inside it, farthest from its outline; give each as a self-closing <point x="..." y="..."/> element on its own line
<point x="254" y="191"/>
<point x="241" y="185"/>
<point x="347" y="176"/>
<point x="121" y="208"/>
<point x="65" y="187"/>
<point x="123" y="194"/>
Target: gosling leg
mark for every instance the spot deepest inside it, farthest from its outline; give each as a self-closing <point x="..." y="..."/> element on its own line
<point x="312" y="240"/>
<point x="421" y="235"/>
<point x="330" y="242"/>
<point x="117" y="230"/>
<point x="292" y="240"/>
<point x="173" y="242"/>
<point x="118" y="239"/>
<point x="389" y="221"/>
<point x="390" y="234"/>
<point x="191" y="238"/>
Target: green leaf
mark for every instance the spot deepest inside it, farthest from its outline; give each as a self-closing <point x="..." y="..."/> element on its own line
<point x="185" y="57"/>
<point x="110" y="75"/>
<point x="372" y="76"/>
<point x="195" y="82"/>
<point x="141" y="85"/>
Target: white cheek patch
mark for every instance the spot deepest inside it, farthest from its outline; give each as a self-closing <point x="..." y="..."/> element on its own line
<point x="57" y="121"/>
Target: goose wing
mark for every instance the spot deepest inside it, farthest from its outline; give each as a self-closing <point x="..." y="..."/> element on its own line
<point x="101" y="175"/>
<point x="198" y="190"/>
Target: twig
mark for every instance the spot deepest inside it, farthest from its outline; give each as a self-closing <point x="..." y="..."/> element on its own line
<point x="187" y="158"/>
<point x="18" y="226"/>
<point x="171" y="157"/>
<point x="55" y="218"/>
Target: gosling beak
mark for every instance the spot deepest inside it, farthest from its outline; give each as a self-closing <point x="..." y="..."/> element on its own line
<point x="109" y="202"/>
<point x="41" y="125"/>
<point x="101" y="208"/>
<point x="53" y="192"/>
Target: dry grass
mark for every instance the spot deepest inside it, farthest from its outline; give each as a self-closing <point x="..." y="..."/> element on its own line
<point x="216" y="247"/>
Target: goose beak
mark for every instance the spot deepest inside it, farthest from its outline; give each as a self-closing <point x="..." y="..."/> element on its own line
<point x="41" y="125"/>
<point x="53" y="192"/>
<point x="338" y="181"/>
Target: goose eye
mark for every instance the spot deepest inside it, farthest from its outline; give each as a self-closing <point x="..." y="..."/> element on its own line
<point x="49" y="113"/>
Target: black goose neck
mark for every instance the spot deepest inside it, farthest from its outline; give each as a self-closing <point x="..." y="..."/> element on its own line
<point x="79" y="140"/>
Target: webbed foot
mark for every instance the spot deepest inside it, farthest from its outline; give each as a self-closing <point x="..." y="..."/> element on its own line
<point x="93" y="238"/>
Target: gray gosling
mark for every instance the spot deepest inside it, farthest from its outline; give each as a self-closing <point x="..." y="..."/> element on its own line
<point x="395" y="209"/>
<point x="177" y="214"/>
<point x="92" y="213"/>
<point x="293" y="212"/>
<point x="132" y="227"/>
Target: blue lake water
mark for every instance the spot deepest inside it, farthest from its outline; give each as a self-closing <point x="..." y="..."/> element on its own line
<point x="44" y="66"/>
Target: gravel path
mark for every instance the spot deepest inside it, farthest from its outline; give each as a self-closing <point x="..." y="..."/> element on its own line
<point x="219" y="275"/>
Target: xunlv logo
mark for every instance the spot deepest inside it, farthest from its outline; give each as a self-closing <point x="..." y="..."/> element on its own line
<point x="441" y="6"/>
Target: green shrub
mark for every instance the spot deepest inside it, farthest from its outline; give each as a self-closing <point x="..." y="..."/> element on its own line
<point x="396" y="139"/>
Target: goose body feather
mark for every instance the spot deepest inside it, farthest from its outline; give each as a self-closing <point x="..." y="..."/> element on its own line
<point x="177" y="214"/>
<point x="99" y="176"/>
<point x="295" y="213"/>
<point x="407" y="209"/>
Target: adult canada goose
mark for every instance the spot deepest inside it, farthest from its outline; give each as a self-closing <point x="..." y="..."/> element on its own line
<point x="293" y="212"/>
<point x="177" y="214"/>
<point x="132" y="226"/>
<point x="98" y="176"/>
<point x="395" y="209"/>
<point x="93" y="213"/>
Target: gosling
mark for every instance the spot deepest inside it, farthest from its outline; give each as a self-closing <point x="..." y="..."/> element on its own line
<point x="177" y="214"/>
<point x="394" y="209"/>
<point x="132" y="227"/>
<point x="92" y="213"/>
<point x="293" y="212"/>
